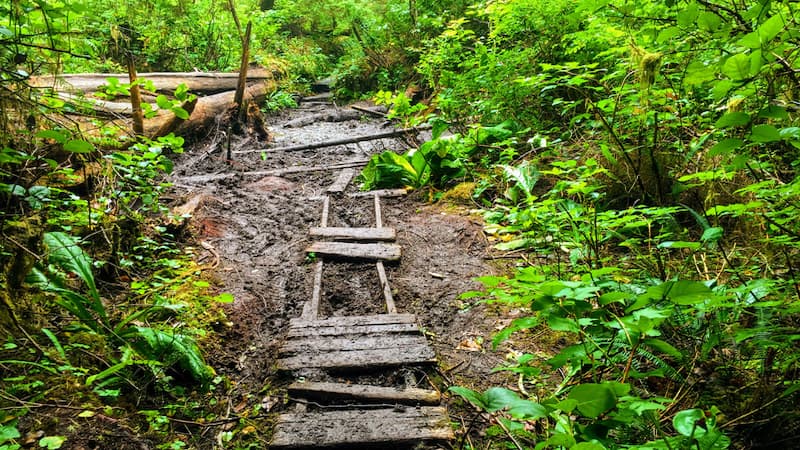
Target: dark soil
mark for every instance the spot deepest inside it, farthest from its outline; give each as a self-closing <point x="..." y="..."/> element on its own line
<point x="254" y="229"/>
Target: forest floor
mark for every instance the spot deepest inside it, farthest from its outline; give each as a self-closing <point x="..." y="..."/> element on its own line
<point x="253" y="229"/>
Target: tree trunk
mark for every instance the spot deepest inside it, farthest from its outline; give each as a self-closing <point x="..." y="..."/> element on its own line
<point x="165" y="82"/>
<point x="136" y="99"/>
<point x="212" y="111"/>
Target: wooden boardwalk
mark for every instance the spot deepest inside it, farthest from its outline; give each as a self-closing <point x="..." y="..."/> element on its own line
<point x="344" y="415"/>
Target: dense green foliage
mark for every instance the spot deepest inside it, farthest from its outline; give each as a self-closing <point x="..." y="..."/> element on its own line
<point x="651" y="153"/>
<point x="647" y="152"/>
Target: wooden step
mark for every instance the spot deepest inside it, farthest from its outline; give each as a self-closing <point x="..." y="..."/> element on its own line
<point x="336" y="326"/>
<point x="362" y="393"/>
<point x="380" y="252"/>
<point x="344" y="321"/>
<point x="390" y="427"/>
<point x="353" y="234"/>
<point x="353" y="342"/>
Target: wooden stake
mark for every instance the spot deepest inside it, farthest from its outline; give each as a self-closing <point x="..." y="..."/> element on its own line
<point x="239" y="97"/>
<point x="136" y="98"/>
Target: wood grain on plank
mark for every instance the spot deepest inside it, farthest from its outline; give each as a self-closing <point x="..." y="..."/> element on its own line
<point x="381" y="192"/>
<point x="354" y="329"/>
<point x="342" y="181"/>
<point x="383" y="252"/>
<point x="351" y="342"/>
<point x="354" y="234"/>
<point x="374" y="319"/>
<point x="328" y="392"/>
<point x="369" y="427"/>
<point x="360" y="359"/>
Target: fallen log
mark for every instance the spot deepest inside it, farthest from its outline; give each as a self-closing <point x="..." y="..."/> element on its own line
<point x="274" y="172"/>
<point x="197" y="82"/>
<point x="353" y="140"/>
<point x="338" y="115"/>
<point x="215" y="111"/>
<point x="101" y="107"/>
<point x="381" y="112"/>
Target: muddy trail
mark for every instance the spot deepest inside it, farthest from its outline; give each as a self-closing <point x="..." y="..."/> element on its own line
<point x="251" y="218"/>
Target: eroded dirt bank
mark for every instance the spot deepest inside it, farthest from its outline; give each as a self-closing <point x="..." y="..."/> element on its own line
<point x="253" y="228"/>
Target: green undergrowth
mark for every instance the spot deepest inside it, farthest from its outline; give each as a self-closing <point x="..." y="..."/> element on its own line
<point x="107" y="320"/>
<point x="642" y="159"/>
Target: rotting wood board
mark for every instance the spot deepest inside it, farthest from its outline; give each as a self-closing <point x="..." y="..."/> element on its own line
<point x="367" y="360"/>
<point x="354" y="234"/>
<point x="330" y="392"/>
<point x="354" y="329"/>
<point x="345" y="321"/>
<point x="342" y="181"/>
<point x="381" y="252"/>
<point x="381" y="193"/>
<point x="370" y="427"/>
<point x="367" y="342"/>
<point x="350" y="342"/>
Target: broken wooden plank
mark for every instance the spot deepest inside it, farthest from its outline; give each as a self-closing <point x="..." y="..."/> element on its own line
<point x="331" y="392"/>
<point x="342" y="181"/>
<point x="382" y="251"/>
<point x="360" y="359"/>
<point x="354" y="234"/>
<point x="319" y="344"/>
<point x="393" y="427"/>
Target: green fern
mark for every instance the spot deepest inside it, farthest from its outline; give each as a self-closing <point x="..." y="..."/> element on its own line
<point x="173" y="349"/>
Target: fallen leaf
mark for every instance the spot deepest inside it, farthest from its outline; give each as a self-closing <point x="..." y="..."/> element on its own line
<point x="470" y="345"/>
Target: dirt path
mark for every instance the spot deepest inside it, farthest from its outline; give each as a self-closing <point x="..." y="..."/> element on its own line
<point x="254" y="229"/>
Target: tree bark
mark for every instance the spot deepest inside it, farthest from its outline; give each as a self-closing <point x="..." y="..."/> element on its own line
<point x="238" y="98"/>
<point x="165" y="82"/>
<point x="136" y="98"/>
<point x="213" y="110"/>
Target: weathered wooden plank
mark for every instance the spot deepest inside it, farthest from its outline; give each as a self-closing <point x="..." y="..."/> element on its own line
<point x="311" y="307"/>
<point x="387" y="290"/>
<point x="370" y="427"/>
<point x="374" y="319"/>
<point x="362" y="393"/>
<point x="350" y="342"/>
<point x="381" y="192"/>
<point x="361" y="359"/>
<point x="383" y="252"/>
<point x="354" y="234"/>
<point x="358" y="329"/>
<point x="342" y="181"/>
<point x="326" y="206"/>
